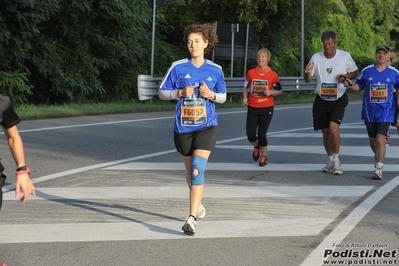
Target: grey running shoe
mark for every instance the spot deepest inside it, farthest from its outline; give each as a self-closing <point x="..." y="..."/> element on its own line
<point x="201" y="211"/>
<point x="189" y="226"/>
<point x="377" y="174"/>
<point x="337" y="170"/>
<point x="329" y="167"/>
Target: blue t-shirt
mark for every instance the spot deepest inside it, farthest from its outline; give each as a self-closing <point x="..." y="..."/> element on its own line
<point x="194" y="112"/>
<point x="378" y="98"/>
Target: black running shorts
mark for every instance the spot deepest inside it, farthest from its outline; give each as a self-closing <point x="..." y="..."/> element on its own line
<point x="203" y="139"/>
<point x="325" y="112"/>
<point x="374" y="128"/>
<point x="2" y="179"/>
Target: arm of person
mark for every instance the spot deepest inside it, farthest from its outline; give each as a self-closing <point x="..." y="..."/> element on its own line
<point x="353" y="86"/>
<point x="23" y="181"/>
<point x="351" y="75"/>
<point x="169" y="94"/>
<point x="219" y="97"/>
<point x="308" y="76"/>
<point x="276" y="92"/>
<point x="244" y="96"/>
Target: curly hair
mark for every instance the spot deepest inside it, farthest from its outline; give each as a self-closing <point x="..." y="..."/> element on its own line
<point x="208" y="32"/>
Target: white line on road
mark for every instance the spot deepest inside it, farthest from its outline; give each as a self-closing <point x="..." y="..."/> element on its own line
<point x="180" y="192"/>
<point x="294" y="225"/>
<point x="79" y="232"/>
<point x="250" y="167"/>
<point x="346" y="226"/>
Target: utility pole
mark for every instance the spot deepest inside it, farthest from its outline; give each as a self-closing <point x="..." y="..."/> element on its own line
<point x="302" y="36"/>
<point x="153" y="4"/>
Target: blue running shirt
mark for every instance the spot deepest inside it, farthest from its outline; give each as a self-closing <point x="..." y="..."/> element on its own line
<point x="378" y="99"/>
<point x="194" y="112"/>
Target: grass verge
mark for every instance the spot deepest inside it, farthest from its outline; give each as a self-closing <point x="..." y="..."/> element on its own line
<point x="30" y="112"/>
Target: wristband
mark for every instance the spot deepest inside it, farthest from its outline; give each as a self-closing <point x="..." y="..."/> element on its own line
<point x="27" y="171"/>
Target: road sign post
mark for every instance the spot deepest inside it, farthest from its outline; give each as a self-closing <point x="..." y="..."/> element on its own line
<point x="153" y="4"/>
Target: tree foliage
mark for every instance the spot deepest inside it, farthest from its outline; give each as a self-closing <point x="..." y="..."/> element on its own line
<point x="92" y="50"/>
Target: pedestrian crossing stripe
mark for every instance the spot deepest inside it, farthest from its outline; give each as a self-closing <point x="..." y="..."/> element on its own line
<point x="325" y="203"/>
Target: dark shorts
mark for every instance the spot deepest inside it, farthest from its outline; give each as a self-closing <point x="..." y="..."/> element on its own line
<point x="325" y="112"/>
<point x="203" y="139"/>
<point x="2" y="179"/>
<point x="396" y="109"/>
<point x="374" y="128"/>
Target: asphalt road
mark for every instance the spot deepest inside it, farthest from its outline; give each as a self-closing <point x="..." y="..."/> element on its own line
<point x="111" y="191"/>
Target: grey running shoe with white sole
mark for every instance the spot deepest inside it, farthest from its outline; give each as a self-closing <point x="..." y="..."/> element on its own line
<point x="377" y="174"/>
<point x="201" y="211"/>
<point x="337" y="170"/>
<point x="329" y="167"/>
<point x="189" y="226"/>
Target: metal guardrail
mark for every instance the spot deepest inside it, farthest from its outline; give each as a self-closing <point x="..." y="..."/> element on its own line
<point x="148" y="86"/>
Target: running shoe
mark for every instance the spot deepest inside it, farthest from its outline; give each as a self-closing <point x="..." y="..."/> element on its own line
<point x="262" y="161"/>
<point x="337" y="170"/>
<point x="256" y="153"/>
<point x="201" y="211"/>
<point x="377" y="174"/>
<point x="329" y="167"/>
<point x="189" y="226"/>
<point x="387" y="142"/>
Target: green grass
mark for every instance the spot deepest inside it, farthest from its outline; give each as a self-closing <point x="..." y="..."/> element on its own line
<point x="29" y="112"/>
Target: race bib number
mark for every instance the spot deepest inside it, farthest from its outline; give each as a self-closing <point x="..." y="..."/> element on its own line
<point x="329" y="91"/>
<point x="258" y="87"/>
<point x="378" y="93"/>
<point x="193" y="112"/>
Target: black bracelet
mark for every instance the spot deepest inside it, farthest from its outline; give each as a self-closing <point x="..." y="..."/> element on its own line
<point x="22" y="168"/>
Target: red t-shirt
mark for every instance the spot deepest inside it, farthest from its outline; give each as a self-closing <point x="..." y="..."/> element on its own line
<point x="257" y="81"/>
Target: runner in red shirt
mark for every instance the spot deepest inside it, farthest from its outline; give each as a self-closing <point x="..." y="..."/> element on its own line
<point x="261" y="86"/>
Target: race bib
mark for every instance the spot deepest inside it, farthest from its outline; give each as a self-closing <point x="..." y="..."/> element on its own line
<point x="193" y="112"/>
<point x="329" y="91"/>
<point x="258" y="87"/>
<point x="378" y="93"/>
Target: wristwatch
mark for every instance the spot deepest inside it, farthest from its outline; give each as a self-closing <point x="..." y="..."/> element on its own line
<point x="22" y="168"/>
<point x="211" y="97"/>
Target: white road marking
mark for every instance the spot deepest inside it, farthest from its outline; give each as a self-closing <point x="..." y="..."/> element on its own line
<point x="119" y="231"/>
<point x="249" y="228"/>
<point x="250" y="167"/>
<point x="180" y="192"/>
<point x="82" y="232"/>
<point x="346" y="226"/>
<point x="319" y="135"/>
<point x="362" y="151"/>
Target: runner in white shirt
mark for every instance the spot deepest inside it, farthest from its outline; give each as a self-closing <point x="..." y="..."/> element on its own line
<point x="330" y="67"/>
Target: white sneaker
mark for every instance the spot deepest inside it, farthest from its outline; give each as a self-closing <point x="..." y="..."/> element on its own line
<point x="337" y="170"/>
<point x="201" y="211"/>
<point x="377" y="174"/>
<point x="329" y="167"/>
<point x="189" y="226"/>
